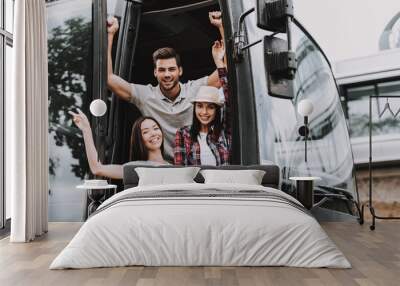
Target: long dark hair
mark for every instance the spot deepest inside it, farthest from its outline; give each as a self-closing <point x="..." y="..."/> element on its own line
<point x="137" y="150"/>
<point x="215" y="125"/>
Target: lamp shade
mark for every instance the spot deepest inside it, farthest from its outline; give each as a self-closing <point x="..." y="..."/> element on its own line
<point x="98" y="107"/>
<point x="305" y="107"/>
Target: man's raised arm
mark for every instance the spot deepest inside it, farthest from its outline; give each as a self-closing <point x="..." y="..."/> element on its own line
<point x="116" y="84"/>
<point x="216" y="20"/>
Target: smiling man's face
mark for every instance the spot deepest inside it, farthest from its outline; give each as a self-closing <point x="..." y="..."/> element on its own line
<point x="167" y="73"/>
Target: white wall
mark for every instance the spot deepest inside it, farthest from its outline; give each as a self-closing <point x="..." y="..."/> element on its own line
<point x="346" y="28"/>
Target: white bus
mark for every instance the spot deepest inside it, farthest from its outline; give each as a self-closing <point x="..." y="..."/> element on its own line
<point x="360" y="78"/>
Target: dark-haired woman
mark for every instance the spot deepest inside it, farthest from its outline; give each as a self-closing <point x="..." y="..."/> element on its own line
<point x="146" y="146"/>
<point x="208" y="140"/>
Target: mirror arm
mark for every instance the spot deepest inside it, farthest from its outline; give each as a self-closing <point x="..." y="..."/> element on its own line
<point x="250" y="45"/>
<point x="256" y="42"/>
<point x="242" y="17"/>
<point x="239" y="42"/>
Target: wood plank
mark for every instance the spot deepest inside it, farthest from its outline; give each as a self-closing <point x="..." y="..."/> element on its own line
<point x="375" y="258"/>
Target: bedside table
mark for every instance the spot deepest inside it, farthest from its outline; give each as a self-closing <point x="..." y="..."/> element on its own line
<point x="96" y="195"/>
<point x="305" y="190"/>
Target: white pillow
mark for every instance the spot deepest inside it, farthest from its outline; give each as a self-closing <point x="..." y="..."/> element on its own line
<point x="248" y="177"/>
<point x="163" y="176"/>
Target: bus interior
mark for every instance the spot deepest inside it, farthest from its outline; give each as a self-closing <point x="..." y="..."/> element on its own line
<point x="181" y="25"/>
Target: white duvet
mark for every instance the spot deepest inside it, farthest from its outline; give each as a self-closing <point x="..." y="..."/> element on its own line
<point x="200" y="231"/>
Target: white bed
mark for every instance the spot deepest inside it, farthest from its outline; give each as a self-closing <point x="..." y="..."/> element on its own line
<point x="267" y="229"/>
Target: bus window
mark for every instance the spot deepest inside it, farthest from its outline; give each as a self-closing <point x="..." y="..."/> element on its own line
<point x="329" y="152"/>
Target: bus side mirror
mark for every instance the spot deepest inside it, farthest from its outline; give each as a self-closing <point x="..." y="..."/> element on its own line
<point x="280" y="66"/>
<point x="272" y="15"/>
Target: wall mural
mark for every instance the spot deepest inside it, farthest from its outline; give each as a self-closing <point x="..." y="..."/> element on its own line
<point x="169" y="102"/>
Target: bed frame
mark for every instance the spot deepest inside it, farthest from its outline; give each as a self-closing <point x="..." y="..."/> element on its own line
<point x="270" y="179"/>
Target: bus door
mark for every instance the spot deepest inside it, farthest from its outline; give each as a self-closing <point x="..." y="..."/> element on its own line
<point x="121" y="114"/>
<point x="244" y="140"/>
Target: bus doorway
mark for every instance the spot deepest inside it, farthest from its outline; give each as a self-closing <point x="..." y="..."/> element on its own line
<point x="145" y="28"/>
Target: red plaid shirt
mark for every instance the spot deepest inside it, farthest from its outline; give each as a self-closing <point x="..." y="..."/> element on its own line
<point x="187" y="151"/>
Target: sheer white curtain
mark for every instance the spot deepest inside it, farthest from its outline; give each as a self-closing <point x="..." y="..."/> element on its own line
<point x="27" y="123"/>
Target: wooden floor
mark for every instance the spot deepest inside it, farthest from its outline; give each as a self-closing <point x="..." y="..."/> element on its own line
<point x="375" y="257"/>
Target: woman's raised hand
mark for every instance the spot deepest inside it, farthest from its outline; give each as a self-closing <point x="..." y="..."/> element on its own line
<point x="112" y="25"/>
<point x="80" y="120"/>
<point x="215" y="18"/>
<point x="218" y="53"/>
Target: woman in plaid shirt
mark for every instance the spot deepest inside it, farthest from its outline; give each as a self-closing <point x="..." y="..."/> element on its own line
<point x="208" y="140"/>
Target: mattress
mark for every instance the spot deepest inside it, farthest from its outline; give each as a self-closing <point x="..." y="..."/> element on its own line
<point x="201" y="225"/>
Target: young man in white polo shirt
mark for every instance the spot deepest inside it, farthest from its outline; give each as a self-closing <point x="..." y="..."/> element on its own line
<point x="170" y="101"/>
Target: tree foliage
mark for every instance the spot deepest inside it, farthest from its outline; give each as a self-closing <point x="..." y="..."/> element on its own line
<point x="70" y="79"/>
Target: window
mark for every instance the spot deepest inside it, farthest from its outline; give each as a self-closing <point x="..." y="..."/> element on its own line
<point x="6" y="44"/>
<point x="385" y="128"/>
<point x="328" y="150"/>
<point x="357" y="109"/>
<point x="357" y="105"/>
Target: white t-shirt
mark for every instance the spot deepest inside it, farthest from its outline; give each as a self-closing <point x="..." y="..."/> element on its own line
<point x="206" y="155"/>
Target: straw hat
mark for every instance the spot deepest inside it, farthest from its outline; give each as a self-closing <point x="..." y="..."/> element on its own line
<point x="208" y="94"/>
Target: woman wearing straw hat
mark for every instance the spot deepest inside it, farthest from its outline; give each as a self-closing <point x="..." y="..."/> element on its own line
<point x="208" y="140"/>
